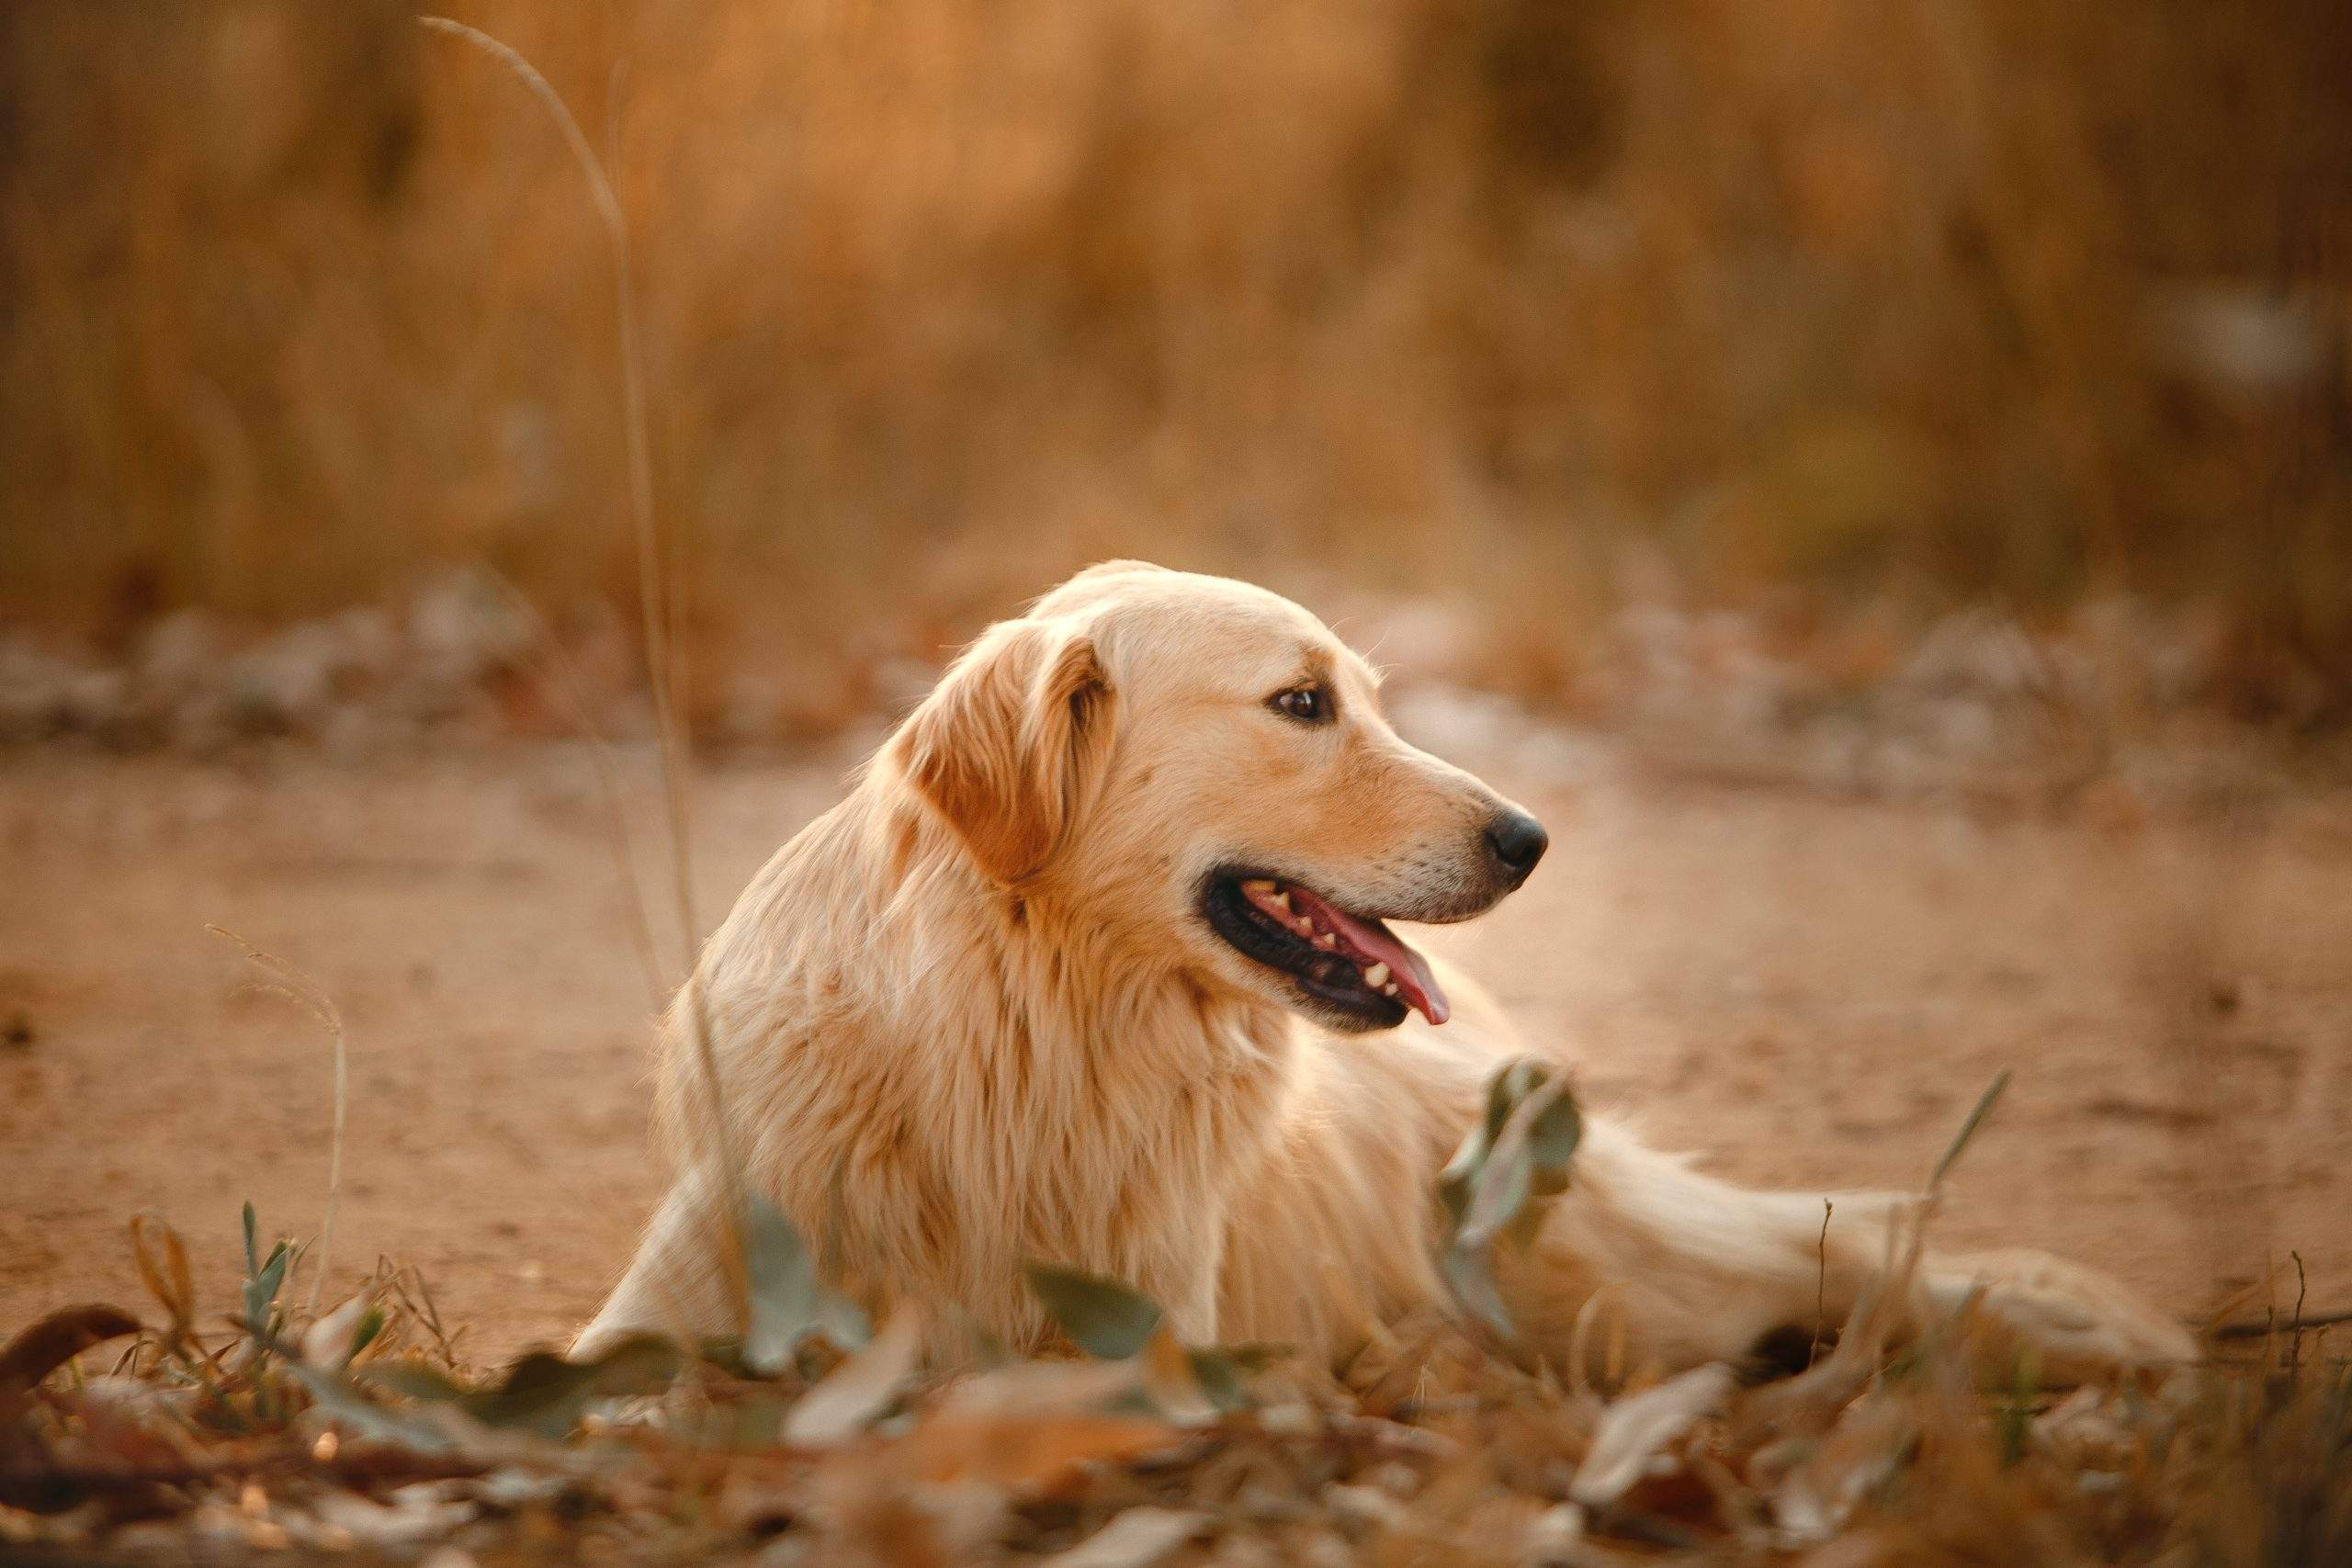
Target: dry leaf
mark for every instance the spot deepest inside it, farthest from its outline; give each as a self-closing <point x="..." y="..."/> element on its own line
<point x="862" y="1387"/>
<point x="408" y="1515"/>
<point x="167" y="1277"/>
<point x="1171" y="1382"/>
<point x="1875" y="1438"/>
<point x="1136" y="1539"/>
<point x="1637" y="1429"/>
<point x="53" y="1341"/>
<point x="328" y="1342"/>
<point x="1029" y="1452"/>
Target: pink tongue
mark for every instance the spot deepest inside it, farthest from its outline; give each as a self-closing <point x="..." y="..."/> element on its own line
<point x="1408" y="968"/>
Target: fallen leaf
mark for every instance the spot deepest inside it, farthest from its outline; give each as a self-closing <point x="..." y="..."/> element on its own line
<point x="1635" y="1430"/>
<point x="410" y="1515"/>
<point x="333" y="1339"/>
<point x="1134" y="1540"/>
<point x="862" y="1387"/>
<point x="1875" y="1438"/>
<point x="1169" y="1380"/>
<point x="415" y="1380"/>
<point x="1103" y="1317"/>
<point x="545" y="1394"/>
<point x="1222" y="1371"/>
<point x="788" y="1303"/>
<point x="53" y="1341"/>
<point x="339" y="1398"/>
<point x="1027" y="1451"/>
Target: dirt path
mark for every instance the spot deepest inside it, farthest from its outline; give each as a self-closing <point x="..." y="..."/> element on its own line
<point x="1810" y="990"/>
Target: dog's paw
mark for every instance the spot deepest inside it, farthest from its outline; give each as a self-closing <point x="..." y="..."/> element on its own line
<point x="2076" y="1325"/>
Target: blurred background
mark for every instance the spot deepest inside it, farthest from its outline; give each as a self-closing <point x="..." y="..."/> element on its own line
<point x="1837" y="315"/>
<point x="1877" y="475"/>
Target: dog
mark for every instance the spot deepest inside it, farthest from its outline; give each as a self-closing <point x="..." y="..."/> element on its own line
<point x="1092" y="966"/>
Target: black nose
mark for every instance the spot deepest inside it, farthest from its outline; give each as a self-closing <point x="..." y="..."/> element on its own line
<point x="1517" y="842"/>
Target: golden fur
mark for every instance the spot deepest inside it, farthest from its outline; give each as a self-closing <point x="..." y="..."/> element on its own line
<point x="973" y="1016"/>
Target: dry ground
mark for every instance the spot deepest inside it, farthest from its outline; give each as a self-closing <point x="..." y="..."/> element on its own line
<point x="1808" y="989"/>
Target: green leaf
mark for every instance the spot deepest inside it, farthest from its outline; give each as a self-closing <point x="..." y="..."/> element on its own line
<point x="414" y="1380"/>
<point x="1504" y="1090"/>
<point x="261" y="1291"/>
<point x="1222" y="1372"/>
<point x="1509" y="1087"/>
<point x="980" y="1348"/>
<point x="1502" y="1187"/>
<point x="1459" y="1180"/>
<point x="1103" y="1317"/>
<point x="1520" y="1148"/>
<point x="1540" y="1133"/>
<point x="342" y="1398"/>
<point x="1555" y="1128"/>
<point x="1472" y="1279"/>
<point x="782" y="1278"/>
<point x="788" y="1303"/>
<point x="546" y="1394"/>
<point x="263" y="1278"/>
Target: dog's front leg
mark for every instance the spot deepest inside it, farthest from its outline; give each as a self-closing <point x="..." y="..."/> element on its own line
<point x="676" y="1285"/>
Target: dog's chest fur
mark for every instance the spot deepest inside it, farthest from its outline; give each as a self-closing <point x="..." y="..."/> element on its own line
<point x="970" y="1090"/>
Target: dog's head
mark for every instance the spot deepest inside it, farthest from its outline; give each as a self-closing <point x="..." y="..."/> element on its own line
<point x="1199" y="770"/>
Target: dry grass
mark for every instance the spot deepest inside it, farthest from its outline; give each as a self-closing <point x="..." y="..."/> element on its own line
<point x="361" y="1430"/>
<point x="1828" y="305"/>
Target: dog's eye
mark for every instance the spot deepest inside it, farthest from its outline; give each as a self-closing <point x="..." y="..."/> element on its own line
<point x="1308" y="704"/>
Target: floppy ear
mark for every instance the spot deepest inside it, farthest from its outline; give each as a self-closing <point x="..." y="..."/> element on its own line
<point x="1011" y="744"/>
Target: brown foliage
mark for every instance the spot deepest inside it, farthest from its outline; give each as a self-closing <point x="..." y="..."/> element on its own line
<point x="940" y="300"/>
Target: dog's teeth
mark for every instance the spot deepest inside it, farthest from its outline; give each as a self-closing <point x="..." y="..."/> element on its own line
<point x="1258" y="884"/>
<point x="1306" y="926"/>
<point x="1376" y="976"/>
<point x="1389" y="989"/>
<point x="1280" y="900"/>
<point x="1326" y="940"/>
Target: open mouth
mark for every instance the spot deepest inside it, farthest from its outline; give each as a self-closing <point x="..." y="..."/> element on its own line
<point x="1350" y="963"/>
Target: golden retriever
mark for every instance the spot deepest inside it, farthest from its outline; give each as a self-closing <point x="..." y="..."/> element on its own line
<point x="1092" y="966"/>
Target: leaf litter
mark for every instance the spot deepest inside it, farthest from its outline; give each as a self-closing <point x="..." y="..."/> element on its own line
<point x="273" y="1429"/>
